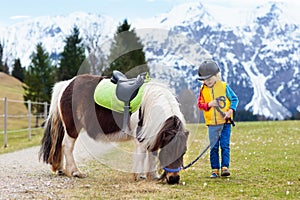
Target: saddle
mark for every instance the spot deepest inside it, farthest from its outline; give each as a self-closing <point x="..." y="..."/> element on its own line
<point x="126" y="90"/>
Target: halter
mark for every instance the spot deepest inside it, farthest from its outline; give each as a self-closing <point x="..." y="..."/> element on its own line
<point x="191" y="163"/>
<point x="173" y="170"/>
<point x="196" y="159"/>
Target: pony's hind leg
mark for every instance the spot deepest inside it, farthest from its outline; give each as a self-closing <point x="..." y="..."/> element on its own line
<point x="61" y="170"/>
<point x="68" y="147"/>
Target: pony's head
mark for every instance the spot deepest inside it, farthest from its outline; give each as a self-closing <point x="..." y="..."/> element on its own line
<point x="171" y="145"/>
<point x="163" y="128"/>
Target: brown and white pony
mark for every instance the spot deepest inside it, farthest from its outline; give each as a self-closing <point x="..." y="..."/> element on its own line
<point x="158" y="127"/>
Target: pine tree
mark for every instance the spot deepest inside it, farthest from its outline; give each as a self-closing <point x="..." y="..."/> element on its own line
<point x="18" y="70"/>
<point x="1" y="57"/>
<point x="39" y="79"/>
<point x="3" y="66"/>
<point x="72" y="56"/>
<point x="126" y="53"/>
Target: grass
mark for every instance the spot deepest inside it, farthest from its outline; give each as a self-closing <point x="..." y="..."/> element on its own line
<point x="17" y="129"/>
<point x="20" y="140"/>
<point x="12" y="88"/>
<point x="264" y="165"/>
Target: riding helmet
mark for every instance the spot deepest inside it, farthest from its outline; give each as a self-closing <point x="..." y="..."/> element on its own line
<point x="207" y="69"/>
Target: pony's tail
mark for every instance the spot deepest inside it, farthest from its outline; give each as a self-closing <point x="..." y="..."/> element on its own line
<point x="51" y="148"/>
<point x="51" y="144"/>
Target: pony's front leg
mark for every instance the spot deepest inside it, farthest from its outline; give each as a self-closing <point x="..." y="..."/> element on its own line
<point x="151" y="163"/>
<point x="139" y="162"/>
<point x="68" y="147"/>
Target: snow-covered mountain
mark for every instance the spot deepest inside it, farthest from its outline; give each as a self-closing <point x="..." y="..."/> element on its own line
<point x="20" y="40"/>
<point x="259" y="60"/>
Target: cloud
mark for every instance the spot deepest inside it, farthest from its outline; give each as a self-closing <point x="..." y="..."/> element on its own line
<point x="16" y="17"/>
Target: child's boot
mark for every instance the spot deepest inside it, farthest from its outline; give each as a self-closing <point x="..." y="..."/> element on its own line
<point x="225" y="171"/>
<point x="215" y="173"/>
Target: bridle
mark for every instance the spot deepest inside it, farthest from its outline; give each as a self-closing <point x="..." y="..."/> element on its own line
<point x="190" y="164"/>
<point x="169" y="170"/>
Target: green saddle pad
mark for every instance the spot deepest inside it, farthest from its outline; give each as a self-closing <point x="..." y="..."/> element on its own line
<point x="105" y="96"/>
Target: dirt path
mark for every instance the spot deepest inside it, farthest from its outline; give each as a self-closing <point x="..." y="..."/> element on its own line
<point x="22" y="176"/>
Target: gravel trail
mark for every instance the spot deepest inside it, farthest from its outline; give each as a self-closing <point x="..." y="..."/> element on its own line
<point x="23" y="176"/>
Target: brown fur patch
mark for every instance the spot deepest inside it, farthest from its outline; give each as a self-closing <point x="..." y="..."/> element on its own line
<point x="80" y="110"/>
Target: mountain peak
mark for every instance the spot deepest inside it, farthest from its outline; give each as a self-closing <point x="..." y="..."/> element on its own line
<point x="183" y="14"/>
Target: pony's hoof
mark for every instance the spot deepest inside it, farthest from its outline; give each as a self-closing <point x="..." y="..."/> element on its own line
<point x="78" y="174"/>
<point x="142" y="177"/>
<point x="139" y="177"/>
<point x="61" y="173"/>
<point x="153" y="176"/>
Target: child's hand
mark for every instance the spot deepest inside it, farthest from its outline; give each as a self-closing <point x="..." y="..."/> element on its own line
<point x="228" y="114"/>
<point x="213" y="103"/>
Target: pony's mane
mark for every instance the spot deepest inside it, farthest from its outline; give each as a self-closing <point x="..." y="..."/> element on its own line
<point x="158" y="105"/>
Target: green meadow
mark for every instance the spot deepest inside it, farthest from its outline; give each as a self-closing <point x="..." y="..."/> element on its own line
<point x="264" y="165"/>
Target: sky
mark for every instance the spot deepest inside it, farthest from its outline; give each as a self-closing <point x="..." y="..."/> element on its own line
<point x="17" y="10"/>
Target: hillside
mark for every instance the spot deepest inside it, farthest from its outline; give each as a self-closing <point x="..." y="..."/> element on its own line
<point x="11" y="88"/>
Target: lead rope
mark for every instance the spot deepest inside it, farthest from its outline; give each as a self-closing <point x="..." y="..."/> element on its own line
<point x="223" y="100"/>
<point x="197" y="158"/>
<point x="219" y="99"/>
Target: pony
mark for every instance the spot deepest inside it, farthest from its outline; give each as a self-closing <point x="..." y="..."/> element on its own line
<point x="158" y="128"/>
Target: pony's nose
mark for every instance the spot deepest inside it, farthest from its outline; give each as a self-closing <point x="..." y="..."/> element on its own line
<point x="173" y="179"/>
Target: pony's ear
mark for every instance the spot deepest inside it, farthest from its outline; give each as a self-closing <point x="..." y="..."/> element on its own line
<point x="173" y="149"/>
<point x="158" y="141"/>
<point x="166" y="133"/>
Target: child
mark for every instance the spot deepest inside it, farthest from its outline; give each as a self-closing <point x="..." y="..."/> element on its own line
<point x="218" y="102"/>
